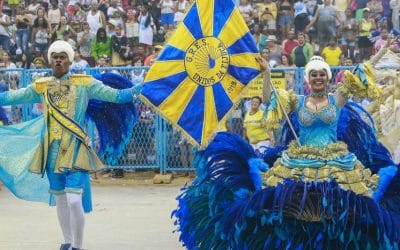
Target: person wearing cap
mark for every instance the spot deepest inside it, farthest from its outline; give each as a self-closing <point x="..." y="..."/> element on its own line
<point x="275" y="49"/>
<point x="39" y="63"/>
<point x="66" y="37"/>
<point x="64" y="150"/>
<point x="103" y="61"/>
<point x="157" y="50"/>
<point x="366" y="25"/>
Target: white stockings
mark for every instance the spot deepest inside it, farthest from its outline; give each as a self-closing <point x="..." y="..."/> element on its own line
<point x="71" y="218"/>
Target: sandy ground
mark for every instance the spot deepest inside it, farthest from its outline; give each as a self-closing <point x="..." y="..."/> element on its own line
<point x="129" y="213"/>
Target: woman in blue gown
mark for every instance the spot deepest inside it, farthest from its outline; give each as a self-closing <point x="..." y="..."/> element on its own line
<point x="329" y="185"/>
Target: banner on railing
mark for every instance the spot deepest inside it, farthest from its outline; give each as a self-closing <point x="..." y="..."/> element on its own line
<point x="278" y="79"/>
<point x="255" y="87"/>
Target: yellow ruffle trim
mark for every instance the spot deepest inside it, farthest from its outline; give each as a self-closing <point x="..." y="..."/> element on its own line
<point x="274" y="116"/>
<point x="360" y="180"/>
<point x="353" y="86"/>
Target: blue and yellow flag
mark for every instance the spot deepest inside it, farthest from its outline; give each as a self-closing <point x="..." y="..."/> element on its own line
<point x="202" y="71"/>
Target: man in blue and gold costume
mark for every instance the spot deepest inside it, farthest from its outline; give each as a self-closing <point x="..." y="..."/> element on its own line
<point x="56" y="143"/>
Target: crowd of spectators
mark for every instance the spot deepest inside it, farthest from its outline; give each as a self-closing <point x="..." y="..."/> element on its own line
<point x="289" y="33"/>
<point x="124" y="32"/>
<point x="108" y="32"/>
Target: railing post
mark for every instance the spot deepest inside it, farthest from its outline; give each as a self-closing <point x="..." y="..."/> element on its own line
<point x="160" y="143"/>
<point x="165" y="145"/>
<point x="27" y="107"/>
<point x="299" y="81"/>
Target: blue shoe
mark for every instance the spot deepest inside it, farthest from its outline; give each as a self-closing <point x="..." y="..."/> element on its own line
<point x="66" y="246"/>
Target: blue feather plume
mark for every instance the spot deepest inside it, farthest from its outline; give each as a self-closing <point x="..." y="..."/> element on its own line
<point x="386" y="175"/>
<point x="391" y="198"/>
<point x="225" y="209"/>
<point x="356" y="129"/>
<point x="287" y="133"/>
<point x="271" y="154"/>
<point x="114" y="122"/>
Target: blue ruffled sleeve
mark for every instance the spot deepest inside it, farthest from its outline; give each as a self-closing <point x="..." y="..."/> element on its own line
<point x="20" y="96"/>
<point x="99" y="91"/>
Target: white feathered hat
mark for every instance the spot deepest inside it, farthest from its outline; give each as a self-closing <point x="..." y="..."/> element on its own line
<point x="317" y="63"/>
<point x="60" y="46"/>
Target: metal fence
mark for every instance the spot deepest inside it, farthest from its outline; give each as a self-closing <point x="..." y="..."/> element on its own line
<point x="155" y="143"/>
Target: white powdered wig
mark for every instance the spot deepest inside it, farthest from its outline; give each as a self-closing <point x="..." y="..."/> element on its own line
<point x="317" y="63"/>
<point x="60" y="47"/>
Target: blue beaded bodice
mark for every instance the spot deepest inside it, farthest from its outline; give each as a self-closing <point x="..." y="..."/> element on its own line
<point x="318" y="128"/>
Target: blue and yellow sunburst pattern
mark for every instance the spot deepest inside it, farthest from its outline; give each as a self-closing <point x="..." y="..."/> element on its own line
<point x="202" y="71"/>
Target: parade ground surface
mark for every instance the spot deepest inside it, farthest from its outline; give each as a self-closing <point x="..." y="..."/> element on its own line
<point x="128" y="214"/>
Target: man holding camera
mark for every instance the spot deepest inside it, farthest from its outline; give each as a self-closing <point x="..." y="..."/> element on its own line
<point x="268" y="12"/>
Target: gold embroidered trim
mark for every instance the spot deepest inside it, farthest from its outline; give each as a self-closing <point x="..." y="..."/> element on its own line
<point x="40" y="85"/>
<point x="329" y="152"/>
<point x="360" y="180"/>
<point x="81" y="79"/>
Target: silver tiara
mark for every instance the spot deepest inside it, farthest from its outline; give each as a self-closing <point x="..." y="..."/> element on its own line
<point x="317" y="58"/>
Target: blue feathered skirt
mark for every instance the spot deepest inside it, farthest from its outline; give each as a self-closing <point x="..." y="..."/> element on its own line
<point x="228" y="207"/>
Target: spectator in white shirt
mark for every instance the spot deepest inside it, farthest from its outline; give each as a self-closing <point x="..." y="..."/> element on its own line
<point x="79" y="65"/>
